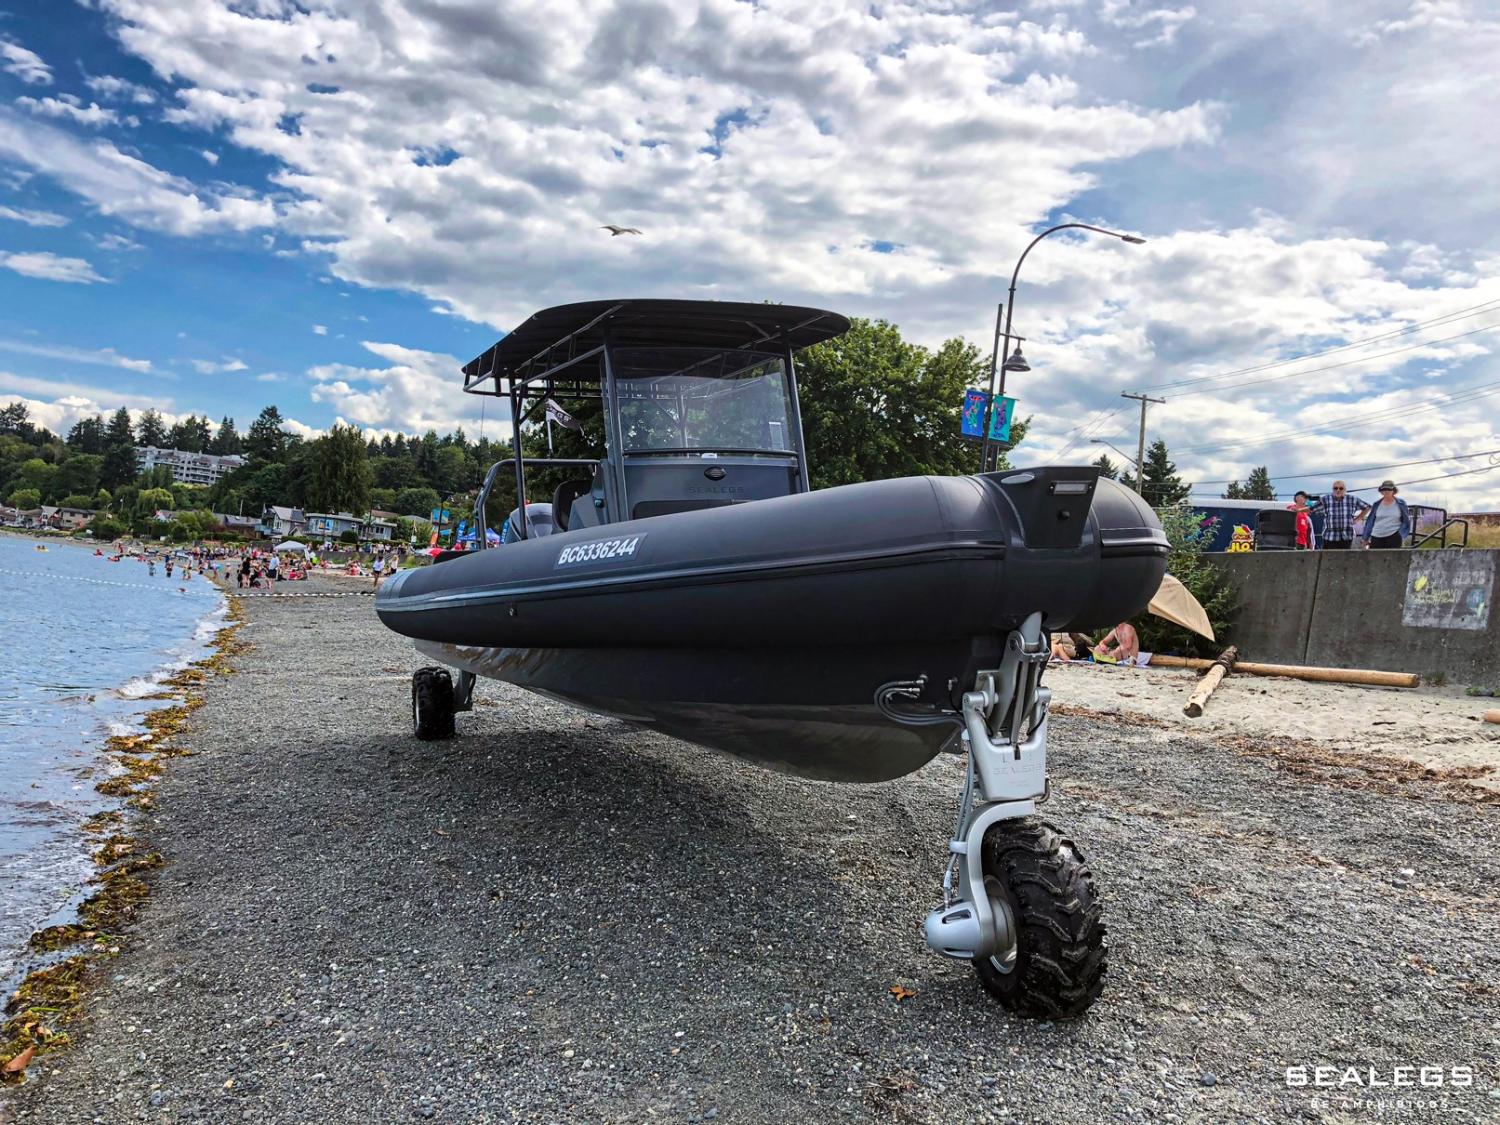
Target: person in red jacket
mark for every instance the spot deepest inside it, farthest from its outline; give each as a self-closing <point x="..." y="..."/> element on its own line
<point x="1304" y="522"/>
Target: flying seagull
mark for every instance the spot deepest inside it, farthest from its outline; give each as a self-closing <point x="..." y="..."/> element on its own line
<point x="614" y="230"/>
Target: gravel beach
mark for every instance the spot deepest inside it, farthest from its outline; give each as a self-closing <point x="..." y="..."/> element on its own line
<point x="556" y="917"/>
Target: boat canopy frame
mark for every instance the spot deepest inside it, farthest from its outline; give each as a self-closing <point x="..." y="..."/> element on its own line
<point x="543" y="358"/>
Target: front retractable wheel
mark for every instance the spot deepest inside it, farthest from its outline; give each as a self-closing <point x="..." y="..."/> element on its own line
<point x="1052" y="954"/>
<point x="432" y="703"/>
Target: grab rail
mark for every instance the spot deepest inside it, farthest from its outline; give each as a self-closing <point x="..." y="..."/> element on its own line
<point x="1443" y="532"/>
<point x="480" y="528"/>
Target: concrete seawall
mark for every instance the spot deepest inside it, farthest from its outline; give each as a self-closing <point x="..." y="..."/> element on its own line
<point x="1429" y="612"/>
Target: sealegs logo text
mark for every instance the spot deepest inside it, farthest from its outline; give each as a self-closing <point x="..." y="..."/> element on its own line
<point x="1327" y="1077"/>
<point x="599" y="550"/>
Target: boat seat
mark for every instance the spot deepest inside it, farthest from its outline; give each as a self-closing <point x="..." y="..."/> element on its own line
<point x="562" y="500"/>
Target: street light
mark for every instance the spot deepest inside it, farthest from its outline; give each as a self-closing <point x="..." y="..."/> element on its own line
<point x="1009" y="309"/>
<point x="1129" y="460"/>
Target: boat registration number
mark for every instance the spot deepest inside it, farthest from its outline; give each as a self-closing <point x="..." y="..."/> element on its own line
<point x="600" y="550"/>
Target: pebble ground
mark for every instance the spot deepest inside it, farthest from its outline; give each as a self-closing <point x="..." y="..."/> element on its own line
<point x="556" y="918"/>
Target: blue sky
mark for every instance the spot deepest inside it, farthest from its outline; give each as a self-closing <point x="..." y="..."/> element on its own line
<point x="208" y="205"/>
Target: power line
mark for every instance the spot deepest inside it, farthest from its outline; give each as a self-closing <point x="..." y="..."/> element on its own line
<point x="1468" y="394"/>
<point x="1366" y="468"/>
<point x="1336" y="366"/>
<point x="1459" y="314"/>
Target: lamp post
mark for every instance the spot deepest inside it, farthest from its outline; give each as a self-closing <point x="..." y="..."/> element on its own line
<point x="1017" y="362"/>
<point x="1129" y="460"/>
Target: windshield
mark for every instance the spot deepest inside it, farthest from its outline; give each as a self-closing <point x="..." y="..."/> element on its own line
<point x="702" y="398"/>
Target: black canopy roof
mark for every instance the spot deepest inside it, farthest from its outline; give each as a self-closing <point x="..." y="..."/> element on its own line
<point x="567" y="330"/>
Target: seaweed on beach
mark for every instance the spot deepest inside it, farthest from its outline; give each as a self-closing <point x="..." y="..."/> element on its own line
<point x="51" y="999"/>
<point x="47" y="1001"/>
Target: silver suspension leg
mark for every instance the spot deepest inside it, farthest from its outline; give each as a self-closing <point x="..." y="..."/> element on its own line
<point x="463" y="692"/>
<point x="1005" y="734"/>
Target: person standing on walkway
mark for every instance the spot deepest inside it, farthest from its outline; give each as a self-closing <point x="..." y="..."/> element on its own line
<point x="1388" y="522"/>
<point x="377" y="567"/>
<point x="1339" y="508"/>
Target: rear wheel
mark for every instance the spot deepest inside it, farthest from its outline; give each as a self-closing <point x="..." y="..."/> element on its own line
<point x="1054" y="965"/>
<point x="432" y="703"/>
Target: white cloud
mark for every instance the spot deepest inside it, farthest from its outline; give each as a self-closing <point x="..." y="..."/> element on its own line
<point x="117" y="243"/>
<point x="209" y="155"/>
<point x="212" y="367"/>
<point x="414" y="392"/>
<point x="59" y="388"/>
<point x="50" y="267"/>
<point x="101" y="357"/>
<point x="125" y="187"/>
<point x="320" y="329"/>
<point x="271" y="377"/>
<point x="118" y="89"/>
<point x="469" y="152"/>
<point x="70" y="108"/>
<point x="33" y="218"/>
<point x="24" y="64"/>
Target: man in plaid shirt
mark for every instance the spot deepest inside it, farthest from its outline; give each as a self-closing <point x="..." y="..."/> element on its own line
<point x="1339" y="509"/>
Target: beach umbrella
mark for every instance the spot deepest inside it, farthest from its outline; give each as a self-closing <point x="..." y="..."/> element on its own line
<point x="1177" y="605"/>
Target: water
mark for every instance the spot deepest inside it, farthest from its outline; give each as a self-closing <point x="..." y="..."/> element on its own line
<point x="82" y="639"/>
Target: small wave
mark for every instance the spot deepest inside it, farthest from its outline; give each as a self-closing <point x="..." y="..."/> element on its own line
<point x="142" y="686"/>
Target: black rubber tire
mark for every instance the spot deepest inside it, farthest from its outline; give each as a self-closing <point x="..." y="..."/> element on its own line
<point x="432" y="703"/>
<point x="1061" y="953"/>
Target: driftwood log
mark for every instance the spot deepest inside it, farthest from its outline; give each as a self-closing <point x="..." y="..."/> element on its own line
<point x="1299" y="672"/>
<point x="1211" y="679"/>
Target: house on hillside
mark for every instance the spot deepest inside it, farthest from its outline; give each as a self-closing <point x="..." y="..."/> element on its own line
<point x="279" y="522"/>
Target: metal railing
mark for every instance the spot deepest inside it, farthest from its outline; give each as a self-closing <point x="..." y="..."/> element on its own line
<point x="1441" y="533"/>
<point x="480" y="528"/>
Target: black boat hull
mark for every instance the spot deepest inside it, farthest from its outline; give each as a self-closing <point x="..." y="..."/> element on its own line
<point x="766" y="629"/>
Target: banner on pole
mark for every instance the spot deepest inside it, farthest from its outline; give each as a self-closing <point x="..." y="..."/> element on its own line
<point x="1000" y="416"/>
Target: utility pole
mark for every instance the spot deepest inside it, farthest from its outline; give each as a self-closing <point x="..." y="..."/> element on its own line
<point x="1140" y="448"/>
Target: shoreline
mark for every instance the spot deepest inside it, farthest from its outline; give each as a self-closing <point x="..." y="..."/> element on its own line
<point x="558" y="916"/>
<point x="50" y="995"/>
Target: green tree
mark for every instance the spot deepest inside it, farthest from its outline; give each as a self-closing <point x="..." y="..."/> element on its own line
<point x="25" y="499"/>
<point x="87" y="435"/>
<point x="1205" y="581"/>
<point x="74" y="500"/>
<point x="1257" y="486"/>
<point x="119" y="451"/>
<point x="149" y="500"/>
<point x="79" y="473"/>
<point x="150" y="429"/>
<point x="267" y="442"/>
<point x="1106" y="467"/>
<point x="226" y="441"/>
<point x="102" y="498"/>
<point x="416" y="501"/>
<point x="1163" y="486"/>
<point x="875" y="406"/>
<point x="35" y="473"/>
<point x="16" y="419"/>
<point x="342" y="478"/>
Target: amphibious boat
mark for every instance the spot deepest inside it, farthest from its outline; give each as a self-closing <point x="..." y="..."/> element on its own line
<point x="688" y="579"/>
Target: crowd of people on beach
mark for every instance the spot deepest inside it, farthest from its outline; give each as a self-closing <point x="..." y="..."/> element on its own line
<point x="254" y="567"/>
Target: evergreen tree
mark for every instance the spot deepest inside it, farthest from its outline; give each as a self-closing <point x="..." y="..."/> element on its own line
<point x="342" y="477"/>
<point x="266" y="443"/>
<point x="1106" y="467"/>
<point x="119" y="451"/>
<point x="226" y="442"/>
<point x="1258" y="484"/>
<point x="1235" y="491"/>
<point x="186" y="435"/>
<point x="16" y="419"/>
<point x="87" y="435"/>
<point x="203" y="433"/>
<point x="1163" y="487"/>
<point x="150" y="430"/>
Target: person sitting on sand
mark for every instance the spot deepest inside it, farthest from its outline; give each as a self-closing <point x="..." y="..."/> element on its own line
<point x="1120" y="645"/>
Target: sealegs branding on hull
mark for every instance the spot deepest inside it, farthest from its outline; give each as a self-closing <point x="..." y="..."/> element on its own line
<point x="600" y="550"/>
